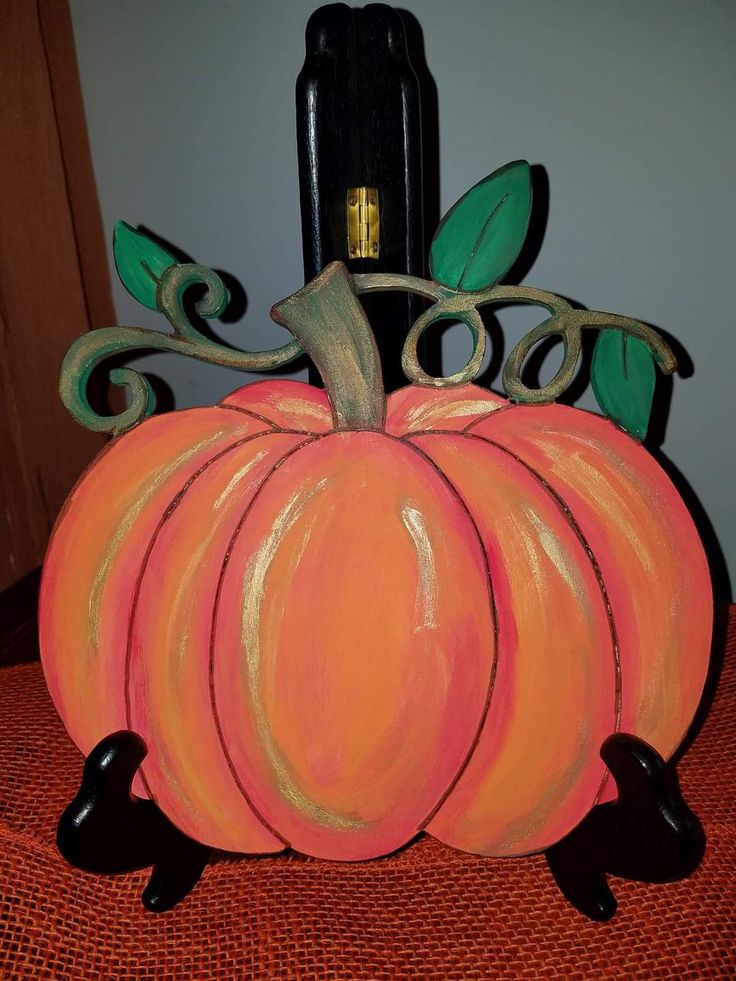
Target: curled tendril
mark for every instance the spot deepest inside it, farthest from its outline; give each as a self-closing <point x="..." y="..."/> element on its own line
<point x="572" y="346"/>
<point x="444" y="310"/>
<point x="93" y="348"/>
<point x="564" y="321"/>
<point x="97" y="346"/>
<point x="569" y="326"/>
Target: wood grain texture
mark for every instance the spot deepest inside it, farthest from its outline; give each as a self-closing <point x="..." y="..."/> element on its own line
<point x="53" y="277"/>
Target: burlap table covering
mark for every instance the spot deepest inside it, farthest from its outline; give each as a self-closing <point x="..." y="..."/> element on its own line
<point x="426" y="913"/>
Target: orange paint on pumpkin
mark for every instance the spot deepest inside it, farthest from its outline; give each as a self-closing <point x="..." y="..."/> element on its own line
<point x="554" y="694"/>
<point x="285" y="404"/>
<point x="169" y="686"/>
<point x="334" y="591"/>
<point x="350" y="674"/>
<point x="95" y="555"/>
<point x="648" y="551"/>
<point x="417" y="408"/>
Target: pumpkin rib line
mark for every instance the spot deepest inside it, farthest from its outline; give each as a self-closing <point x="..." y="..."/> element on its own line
<point x="488" y="415"/>
<point x="256" y="415"/>
<point x="572" y="521"/>
<point x="248" y="412"/>
<point x="69" y="503"/>
<point x="494" y="621"/>
<point x="168" y="511"/>
<point x="107" y="448"/>
<point x="269" y="422"/>
<point x="405" y="437"/>
<point x="215" y="611"/>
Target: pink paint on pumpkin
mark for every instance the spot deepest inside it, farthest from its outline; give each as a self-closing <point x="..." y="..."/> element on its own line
<point x="350" y="681"/>
<point x="170" y="704"/>
<point x="417" y="408"/>
<point x="305" y="664"/>
<point x="286" y="404"/>
<point x="102" y="536"/>
<point x="554" y="693"/>
<point x="648" y="551"/>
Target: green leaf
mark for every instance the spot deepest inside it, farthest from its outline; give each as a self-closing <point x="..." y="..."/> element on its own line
<point x="140" y="263"/>
<point x="481" y="236"/>
<point x="623" y="374"/>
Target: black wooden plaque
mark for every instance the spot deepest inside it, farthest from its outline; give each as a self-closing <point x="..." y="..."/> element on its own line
<point x="359" y="125"/>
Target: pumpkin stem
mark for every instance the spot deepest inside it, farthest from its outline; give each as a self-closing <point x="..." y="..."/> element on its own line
<point x="326" y="316"/>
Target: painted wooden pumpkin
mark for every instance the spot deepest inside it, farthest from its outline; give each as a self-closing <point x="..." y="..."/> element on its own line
<point x="338" y="620"/>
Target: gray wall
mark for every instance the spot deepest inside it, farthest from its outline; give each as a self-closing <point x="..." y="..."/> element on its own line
<point x="628" y="105"/>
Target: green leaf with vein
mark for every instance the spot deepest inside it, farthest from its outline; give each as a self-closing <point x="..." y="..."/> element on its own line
<point x="623" y="376"/>
<point x="140" y="263"/>
<point x="481" y="236"/>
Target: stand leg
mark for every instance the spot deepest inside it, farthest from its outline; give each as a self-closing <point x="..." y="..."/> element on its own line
<point x="648" y="834"/>
<point x="107" y="829"/>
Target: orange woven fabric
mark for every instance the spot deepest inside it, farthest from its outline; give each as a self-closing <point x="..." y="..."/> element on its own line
<point x="425" y="913"/>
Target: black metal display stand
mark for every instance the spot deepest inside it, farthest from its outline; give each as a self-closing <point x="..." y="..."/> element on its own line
<point x="107" y="829"/>
<point x="648" y="834"/>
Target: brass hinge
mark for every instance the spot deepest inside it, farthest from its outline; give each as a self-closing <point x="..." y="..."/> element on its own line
<point x="363" y="223"/>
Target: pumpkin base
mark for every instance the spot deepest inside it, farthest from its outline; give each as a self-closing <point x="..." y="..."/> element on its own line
<point x="648" y="833"/>
<point x="105" y="829"/>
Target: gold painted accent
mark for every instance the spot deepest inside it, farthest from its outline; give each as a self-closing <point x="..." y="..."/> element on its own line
<point x="424" y="413"/>
<point x="604" y="492"/>
<point x="558" y="555"/>
<point x="237" y="477"/>
<point x="300" y="407"/>
<point x="427" y="592"/>
<point x="163" y="758"/>
<point x="254" y="580"/>
<point x="96" y="346"/>
<point x="521" y="828"/>
<point x="364" y="223"/>
<point x="179" y="630"/>
<point x="161" y="475"/>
